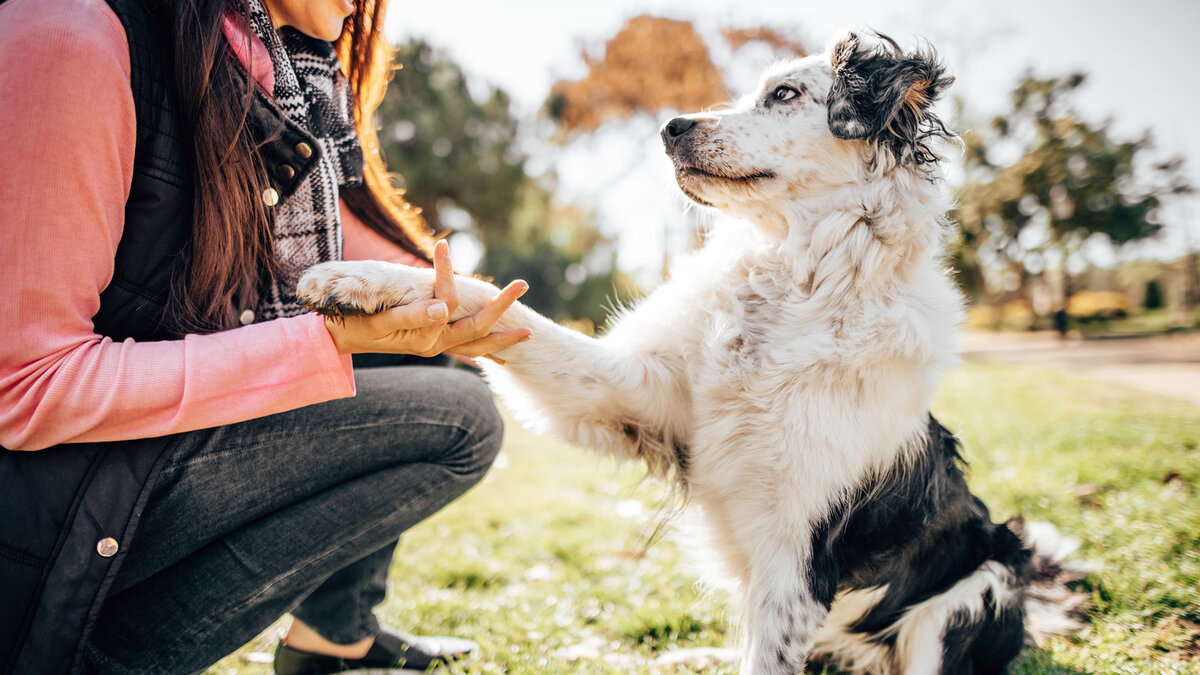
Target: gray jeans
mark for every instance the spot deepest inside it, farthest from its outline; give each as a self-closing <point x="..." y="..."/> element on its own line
<point x="297" y="512"/>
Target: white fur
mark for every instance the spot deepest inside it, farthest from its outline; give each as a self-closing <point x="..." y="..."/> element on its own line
<point x="792" y="357"/>
<point x="1050" y="606"/>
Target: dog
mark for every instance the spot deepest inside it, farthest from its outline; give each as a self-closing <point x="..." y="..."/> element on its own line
<point x="782" y="379"/>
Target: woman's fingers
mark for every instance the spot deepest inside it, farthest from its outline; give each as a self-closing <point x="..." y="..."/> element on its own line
<point x="492" y="342"/>
<point x="480" y="324"/>
<point x="443" y="284"/>
<point x="424" y="327"/>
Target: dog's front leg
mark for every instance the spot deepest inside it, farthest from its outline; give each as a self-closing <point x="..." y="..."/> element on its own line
<point x="629" y="401"/>
<point x="625" y="399"/>
<point x="782" y="616"/>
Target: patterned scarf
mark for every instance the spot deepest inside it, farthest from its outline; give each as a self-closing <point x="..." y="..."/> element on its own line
<point x="312" y="92"/>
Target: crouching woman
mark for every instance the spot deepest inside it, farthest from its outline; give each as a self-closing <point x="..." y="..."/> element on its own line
<point x="187" y="454"/>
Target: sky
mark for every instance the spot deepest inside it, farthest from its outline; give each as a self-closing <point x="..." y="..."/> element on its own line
<point x="1141" y="59"/>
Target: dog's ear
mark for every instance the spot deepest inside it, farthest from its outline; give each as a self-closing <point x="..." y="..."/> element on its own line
<point x="886" y="94"/>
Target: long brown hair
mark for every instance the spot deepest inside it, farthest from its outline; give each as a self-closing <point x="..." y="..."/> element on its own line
<point x="231" y="250"/>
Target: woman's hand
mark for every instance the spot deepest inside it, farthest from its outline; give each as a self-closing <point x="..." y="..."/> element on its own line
<point x="423" y="328"/>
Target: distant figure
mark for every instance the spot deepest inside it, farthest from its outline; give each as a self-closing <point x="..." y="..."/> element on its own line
<point x="1061" y="323"/>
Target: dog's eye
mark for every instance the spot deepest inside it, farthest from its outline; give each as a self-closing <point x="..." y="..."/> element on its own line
<point x="784" y="93"/>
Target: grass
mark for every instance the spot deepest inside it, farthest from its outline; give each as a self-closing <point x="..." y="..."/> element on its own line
<point x="547" y="559"/>
<point x="1148" y="322"/>
<point x="1141" y="323"/>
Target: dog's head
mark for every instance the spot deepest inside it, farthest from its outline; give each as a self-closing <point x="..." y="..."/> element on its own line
<point x="819" y="121"/>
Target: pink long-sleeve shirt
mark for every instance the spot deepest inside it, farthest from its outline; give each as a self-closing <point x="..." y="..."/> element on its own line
<point x="67" y="134"/>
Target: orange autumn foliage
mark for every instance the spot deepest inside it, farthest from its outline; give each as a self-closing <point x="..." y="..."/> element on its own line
<point x="651" y="64"/>
<point x="783" y="45"/>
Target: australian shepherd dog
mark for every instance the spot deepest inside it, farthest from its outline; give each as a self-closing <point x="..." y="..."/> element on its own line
<point x="782" y="379"/>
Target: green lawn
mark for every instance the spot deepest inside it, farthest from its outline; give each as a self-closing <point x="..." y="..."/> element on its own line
<point x="1148" y="322"/>
<point x="548" y="558"/>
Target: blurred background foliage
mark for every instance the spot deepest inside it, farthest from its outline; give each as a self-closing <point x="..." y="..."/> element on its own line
<point x="1039" y="183"/>
<point x="1038" y="189"/>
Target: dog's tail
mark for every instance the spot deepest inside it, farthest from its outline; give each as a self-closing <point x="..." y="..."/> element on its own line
<point x="1051" y="607"/>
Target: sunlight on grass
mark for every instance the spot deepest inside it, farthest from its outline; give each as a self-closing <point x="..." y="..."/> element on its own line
<point x="546" y="560"/>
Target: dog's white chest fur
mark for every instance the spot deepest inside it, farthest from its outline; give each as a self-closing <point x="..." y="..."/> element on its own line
<point x="767" y="359"/>
<point x="792" y="398"/>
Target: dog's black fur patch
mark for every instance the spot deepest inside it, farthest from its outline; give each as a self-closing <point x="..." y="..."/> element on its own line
<point x="918" y="530"/>
<point x="886" y="95"/>
<point x="985" y="645"/>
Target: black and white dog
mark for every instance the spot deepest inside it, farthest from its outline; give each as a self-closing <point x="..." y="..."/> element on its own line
<point x="783" y="379"/>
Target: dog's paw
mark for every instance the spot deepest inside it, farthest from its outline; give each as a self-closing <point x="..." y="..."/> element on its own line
<point x="360" y="287"/>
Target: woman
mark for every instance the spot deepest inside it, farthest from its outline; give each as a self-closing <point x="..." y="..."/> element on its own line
<point x="205" y="458"/>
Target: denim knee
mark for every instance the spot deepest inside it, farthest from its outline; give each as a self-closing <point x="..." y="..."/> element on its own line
<point x="482" y="425"/>
<point x="455" y="421"/>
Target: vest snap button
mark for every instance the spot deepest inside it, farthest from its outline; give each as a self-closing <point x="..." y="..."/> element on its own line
<point x="270" y="197"/>
<point x="304" y="150"/>
<point x="107" y="547"/>
<point x="285" y="172"/>
<point x="247" y="317"/>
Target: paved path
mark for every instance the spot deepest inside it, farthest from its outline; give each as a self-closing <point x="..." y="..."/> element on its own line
<point x="1162" y="364"/>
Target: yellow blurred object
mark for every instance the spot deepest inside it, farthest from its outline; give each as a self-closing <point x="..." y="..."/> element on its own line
<point x="1099" y="304"/>
<point x="1012" y="315"/>
<point x="1017" y="313"/>
<point x="982" y="317"/>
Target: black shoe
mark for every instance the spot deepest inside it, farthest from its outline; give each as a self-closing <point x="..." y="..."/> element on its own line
<point x="391" y="650"/>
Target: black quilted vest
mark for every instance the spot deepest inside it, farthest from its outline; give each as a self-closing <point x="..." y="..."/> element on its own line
<point x="158" y="214"/>
<point x="70" y="511"/>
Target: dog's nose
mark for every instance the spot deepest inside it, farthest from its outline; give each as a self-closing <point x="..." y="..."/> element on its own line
<point x="677" y="127"/>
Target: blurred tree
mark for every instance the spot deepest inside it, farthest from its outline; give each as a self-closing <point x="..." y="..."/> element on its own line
<point x="454" y="149"/>
<point x="653" y="64"/>
<point x="454" y="146"/>
<point x="1040" y="181"/>
<point x="779" y="42"/>
<point x="650" y="64"/>
<point x="569" y="264"/>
